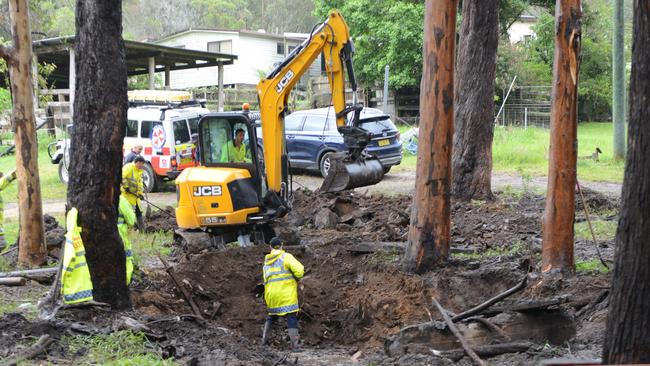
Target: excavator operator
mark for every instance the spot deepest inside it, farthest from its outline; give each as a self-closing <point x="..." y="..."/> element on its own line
<point x="235" y="151"/>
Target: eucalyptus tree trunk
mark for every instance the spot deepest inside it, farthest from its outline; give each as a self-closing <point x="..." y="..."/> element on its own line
<point x="31" y="244"/>
<point x="559" y="214"/>
<point x="474" y="119"/>
<point x="430" y="228"/>
<point x="627" y="336"/>
<point x="100" y="110"/>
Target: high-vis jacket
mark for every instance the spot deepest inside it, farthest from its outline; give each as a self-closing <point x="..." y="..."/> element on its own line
<point x="132" y="185"/>
<point x="281" y="270"/>
<point x="76" y="285"/>
<point x="232" y="154"/>
<point x="126" y="218"/>
<point x="4" y="182"/>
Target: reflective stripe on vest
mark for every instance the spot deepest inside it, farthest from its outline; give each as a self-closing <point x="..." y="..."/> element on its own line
<point x="276" y="269"/>
<point x="78" y="265"/>
<point x="284" y="309"/>
<point x="78" y="295"/>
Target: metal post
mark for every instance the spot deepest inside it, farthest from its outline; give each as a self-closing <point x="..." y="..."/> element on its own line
<point x="222" y="95"/>
<point x="525" y="118"/>
<point x="152" y="71"/>
<point x="496" y="119"/>
<point x="385" y="100"/>
<point x="618" y="77"/>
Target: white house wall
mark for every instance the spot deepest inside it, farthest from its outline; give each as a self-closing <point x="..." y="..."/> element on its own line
<point x="254" y="54"/>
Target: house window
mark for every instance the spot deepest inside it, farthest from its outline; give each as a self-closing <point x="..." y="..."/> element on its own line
<point x="280" y="48"/>
<point x="220" y="46"/>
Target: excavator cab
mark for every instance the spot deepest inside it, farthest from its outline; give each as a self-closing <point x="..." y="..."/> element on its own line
<point x="227" y="191"/>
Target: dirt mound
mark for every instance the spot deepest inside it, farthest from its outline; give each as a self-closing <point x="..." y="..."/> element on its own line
<point x="596" y="201"/>
<point x="161" y="220"/>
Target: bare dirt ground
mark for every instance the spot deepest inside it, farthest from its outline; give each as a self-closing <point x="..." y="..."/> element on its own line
<point x="358" y="306"/>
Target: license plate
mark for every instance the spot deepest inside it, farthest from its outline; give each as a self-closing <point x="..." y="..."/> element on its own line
<point x="213" y="220"/>
<point x="383" y="142"/>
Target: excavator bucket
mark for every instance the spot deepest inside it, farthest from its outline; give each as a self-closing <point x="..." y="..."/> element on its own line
<point x="345" y="174"/>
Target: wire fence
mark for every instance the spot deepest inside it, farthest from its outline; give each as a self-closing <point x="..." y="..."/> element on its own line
<point x="527" y="106"/>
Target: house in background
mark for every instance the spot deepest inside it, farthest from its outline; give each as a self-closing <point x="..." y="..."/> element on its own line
<point x="257" y="54"/>
<point x="522" y="28"/>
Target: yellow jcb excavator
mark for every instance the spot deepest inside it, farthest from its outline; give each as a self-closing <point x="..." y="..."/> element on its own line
<point x="237" y="190"/>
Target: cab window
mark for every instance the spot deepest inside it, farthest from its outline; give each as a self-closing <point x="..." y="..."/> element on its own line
<point x="147" y="127"/>
<point x="194" y="125"/>
<point x="181" y="133"/>
<point x="131" y="128"/>
<point x="224" y="141"/>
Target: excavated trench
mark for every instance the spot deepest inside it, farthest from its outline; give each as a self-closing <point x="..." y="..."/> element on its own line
<point x="360" y="298"/>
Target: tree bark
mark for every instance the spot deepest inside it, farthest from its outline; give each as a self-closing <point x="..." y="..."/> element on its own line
<point x="100" y="110"/>
<point x="618" y="78"/>
<point x="430" y="227"/>
<point x="627" y="337"/>
<point x="557" y="225"/>
<point x="31" y="244"/>
<point x="474" y="119"/>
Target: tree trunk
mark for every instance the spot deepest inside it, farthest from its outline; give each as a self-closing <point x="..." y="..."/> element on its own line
<point x="627" y="338"/>
<point x="474" y="124"/>
<point x="100" y="109"/>
<point x="557" y="225"/>
<point x="31" y="244"/>
<point x="429" y="232"/>
<point x="618" y="78"/>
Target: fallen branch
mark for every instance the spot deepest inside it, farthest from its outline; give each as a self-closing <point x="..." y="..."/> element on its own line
<point x="39" y="347"/>
<point x="529" y="305"/>
<point x="477" y="309"/>
<point x="458" y="335"/>
<point x="486" y="351"/>
<point x="184" y="292"/>
<point x="13" y="281"/>
<point x="49" y="271"/>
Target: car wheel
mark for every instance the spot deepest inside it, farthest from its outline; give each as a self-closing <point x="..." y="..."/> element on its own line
<point x="149" y="179"/>
<point x="63" y="173"/>
<point x="386" y="169"/>
<point x="260" y="158"/>
<point x="325" y="164"/>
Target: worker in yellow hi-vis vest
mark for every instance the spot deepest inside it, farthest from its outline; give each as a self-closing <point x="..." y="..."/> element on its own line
<point x="76" y="285"/>
<point x="126" y="218"/>
<point x="281" y="272"/>
<point x="133" y="187"/>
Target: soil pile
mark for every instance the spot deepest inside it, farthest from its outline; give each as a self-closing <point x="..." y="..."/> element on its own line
<point x="161" y="220"/>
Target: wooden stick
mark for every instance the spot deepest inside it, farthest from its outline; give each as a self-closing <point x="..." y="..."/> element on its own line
<point x="486" y="351"/>
<point x="186" y="294"/>
<point x="477" y="309"/>
<point x="458" y="335"/>
<point x="31" y="272"/>
<point x="13" y="281"/>
<point x="593" y="235"/>
<point x="39" y="347"/>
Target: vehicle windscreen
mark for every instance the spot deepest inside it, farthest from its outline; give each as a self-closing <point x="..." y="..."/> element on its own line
<point x="224" y="142"/>
<point x="377" y="125"/>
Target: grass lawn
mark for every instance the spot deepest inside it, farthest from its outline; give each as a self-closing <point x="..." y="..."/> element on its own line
<point x="51" y="186"/>
<point x="525" y="151"/>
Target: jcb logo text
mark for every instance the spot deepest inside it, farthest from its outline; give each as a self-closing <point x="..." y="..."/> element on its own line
<point x="284" y="81"/>
<point x="207" y="191"/>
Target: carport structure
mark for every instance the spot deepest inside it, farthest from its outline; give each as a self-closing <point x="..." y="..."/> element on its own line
<point x="141" y="58"/>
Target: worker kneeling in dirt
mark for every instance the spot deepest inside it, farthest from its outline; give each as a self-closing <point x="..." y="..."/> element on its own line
<point x="282" y="271"/>
<point x="133" y="187"/>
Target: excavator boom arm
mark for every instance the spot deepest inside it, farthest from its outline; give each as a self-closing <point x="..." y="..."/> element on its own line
<point x="332" y="38"/>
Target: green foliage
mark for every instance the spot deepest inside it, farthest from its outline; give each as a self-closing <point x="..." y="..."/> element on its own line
<point x="119" y="348"/>
<point x="385" y="33"/>
<point x="230" y="14"/>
